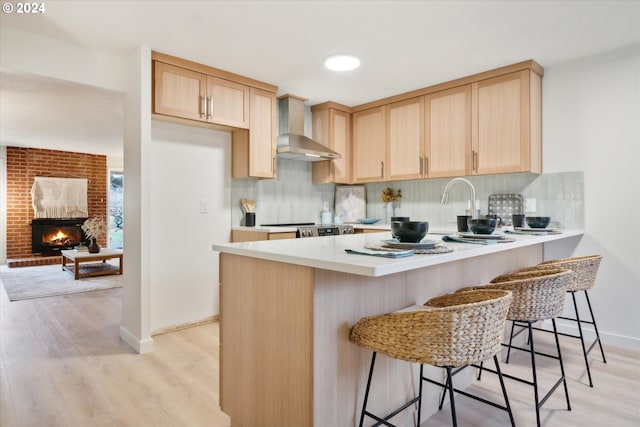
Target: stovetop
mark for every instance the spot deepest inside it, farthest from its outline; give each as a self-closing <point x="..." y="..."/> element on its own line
<point x="290" y="224"/>
<point x="311" y="229"/>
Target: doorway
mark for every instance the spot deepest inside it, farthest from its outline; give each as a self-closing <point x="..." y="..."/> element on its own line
<point x="116" y="209"/>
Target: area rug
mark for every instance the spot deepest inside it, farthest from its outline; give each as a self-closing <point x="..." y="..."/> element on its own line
<point x="49" y="280"/>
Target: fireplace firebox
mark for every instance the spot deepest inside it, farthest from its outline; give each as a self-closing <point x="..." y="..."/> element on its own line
<point x="49" y="236"/>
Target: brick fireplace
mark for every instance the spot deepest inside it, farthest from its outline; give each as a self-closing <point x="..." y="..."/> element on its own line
<point x="23" y="165"/>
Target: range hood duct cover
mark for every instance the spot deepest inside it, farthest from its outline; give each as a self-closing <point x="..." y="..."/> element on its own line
<point x="292" y="144"/>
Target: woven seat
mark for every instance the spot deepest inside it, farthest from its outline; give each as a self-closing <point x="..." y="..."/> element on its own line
<point x="537" y="295"/>
<point x="455" y="330"/>
<point x="583" y="278"/>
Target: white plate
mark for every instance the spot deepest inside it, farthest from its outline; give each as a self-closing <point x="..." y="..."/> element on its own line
<point x="534" y="230"/>
<point x="368" y="220"/>
<point x="481" y="236"/>
<point x="425" y="244"/>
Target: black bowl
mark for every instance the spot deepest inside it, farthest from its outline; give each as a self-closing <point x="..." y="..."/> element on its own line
<point x="409" y="231"/>
<point x="537" y="221"/>
<point x="400" y="218"/>
<point x="482" y="225"/>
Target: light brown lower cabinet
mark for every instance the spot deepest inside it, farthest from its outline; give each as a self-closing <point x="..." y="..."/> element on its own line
<point x="253" y="236"/>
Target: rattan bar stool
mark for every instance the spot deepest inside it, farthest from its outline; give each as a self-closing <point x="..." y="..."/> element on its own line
<point x="461" y="329"/>
<point x="537" y="295"/>
<point x="583" y="278"/>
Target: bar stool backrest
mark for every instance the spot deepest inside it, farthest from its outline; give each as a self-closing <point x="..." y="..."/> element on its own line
<point x="584" y="270"/>
<point x="451" y="333"/>
<point x="537" y="294"/>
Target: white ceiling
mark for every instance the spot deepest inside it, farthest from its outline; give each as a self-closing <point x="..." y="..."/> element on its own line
<point x="402" y="45"/>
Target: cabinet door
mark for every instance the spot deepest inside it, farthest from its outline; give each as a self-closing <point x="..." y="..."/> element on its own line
<point x="332" y="128"/>
<point x="369" y="145"/>
<point x="405" y="139"/>
<point x="262" y="133"/>
<point x="340" y="128"/>
<point x="501" y="124"/>
<point x="448" y="133"/>
<point x="178" y="92"/>
<point x="228" y="103"/>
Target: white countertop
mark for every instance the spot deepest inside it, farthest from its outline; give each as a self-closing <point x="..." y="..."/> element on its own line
<point x="328" y="252"/>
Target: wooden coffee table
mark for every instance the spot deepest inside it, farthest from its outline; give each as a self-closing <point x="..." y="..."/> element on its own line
<point x="85" y="264"/>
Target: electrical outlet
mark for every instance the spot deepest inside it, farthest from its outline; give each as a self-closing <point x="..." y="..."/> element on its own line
<point x="530" y="205"/>
<point x="204" y="206"/>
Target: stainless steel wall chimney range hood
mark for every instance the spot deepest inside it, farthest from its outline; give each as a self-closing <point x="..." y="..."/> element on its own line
<point x="292" y="144"/>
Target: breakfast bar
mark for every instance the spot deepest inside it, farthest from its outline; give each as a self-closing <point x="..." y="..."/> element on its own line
<point x="287" y="306"/>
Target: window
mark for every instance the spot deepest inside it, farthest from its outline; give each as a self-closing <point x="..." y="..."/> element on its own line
<point x="116" y="209"/>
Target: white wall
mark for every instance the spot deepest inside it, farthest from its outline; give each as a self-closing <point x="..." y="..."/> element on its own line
<point x="592" y="123"/>
<point x="188" y="164"/>
<point x="135" y="327"/>
<point x="31" y="53"/>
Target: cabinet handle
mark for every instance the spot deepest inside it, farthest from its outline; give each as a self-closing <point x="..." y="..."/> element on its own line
<point x="211" y="106"/>
<point x="474" y="158"/>
<point x="420" y="165"/>
<point x="381" y="169"/>
<point x="203" y="107"/>
<point x="426" y="166"/>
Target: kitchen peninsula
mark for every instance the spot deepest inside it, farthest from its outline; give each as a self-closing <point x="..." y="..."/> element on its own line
<point x="286" y="308"/>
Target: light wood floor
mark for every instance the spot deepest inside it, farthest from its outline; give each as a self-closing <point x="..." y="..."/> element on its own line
<point x="62" y="364"/>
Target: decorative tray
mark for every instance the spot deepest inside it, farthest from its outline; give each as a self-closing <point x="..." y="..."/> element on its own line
<point x="504" y="205"/>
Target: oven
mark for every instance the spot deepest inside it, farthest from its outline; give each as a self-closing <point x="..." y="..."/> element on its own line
<point x="310" y="229"/>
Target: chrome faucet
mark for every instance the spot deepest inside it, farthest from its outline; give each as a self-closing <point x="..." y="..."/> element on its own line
<point x="472" y="194"/>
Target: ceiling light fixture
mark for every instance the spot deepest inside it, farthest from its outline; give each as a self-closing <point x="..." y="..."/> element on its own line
<point x="342" y="63"/>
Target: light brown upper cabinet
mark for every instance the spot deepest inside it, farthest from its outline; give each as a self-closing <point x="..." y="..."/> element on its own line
<point x="447" y="133"/>
<point x="262" y="131"/>
<point x="195" y="94"/>
<point x="487" y="123"/>
<point x="506" y="124"/>
<point x="369" y="145"/>
<point x="188" y="94"/>
<point x="331" y="124"/>
<point x="178" y="92"/>
<point x="254" y="151"/>
<point x="228" y="102"/>
<point x="405" y="139"/>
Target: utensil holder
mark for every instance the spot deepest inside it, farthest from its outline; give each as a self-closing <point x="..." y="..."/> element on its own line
<point x="250" y="219"/>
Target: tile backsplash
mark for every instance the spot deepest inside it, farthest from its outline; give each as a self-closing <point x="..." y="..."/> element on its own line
<point x="292" y="197"/>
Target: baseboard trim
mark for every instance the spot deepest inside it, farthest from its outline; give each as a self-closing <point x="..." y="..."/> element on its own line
<point x="607" y="338"/>
<point x="140" y="346"/>
<point x="210" y="319"/>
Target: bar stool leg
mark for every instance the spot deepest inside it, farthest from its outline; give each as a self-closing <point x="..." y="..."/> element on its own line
<point x="513" y="324"/>
<point x="451" y="398"/>
<point x="444" y="394"/>
<point x="504" y="390"/>
<point x="420" y="395"/>
<point x="595" y="327"/>
<point x="535" y="376"/>
<point x="366" y="393"/>
<point x="584" y="349"/>
<point x="564" y="378"/>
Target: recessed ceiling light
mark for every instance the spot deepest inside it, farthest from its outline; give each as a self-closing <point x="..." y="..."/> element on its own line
<point x="342" y="63"/>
